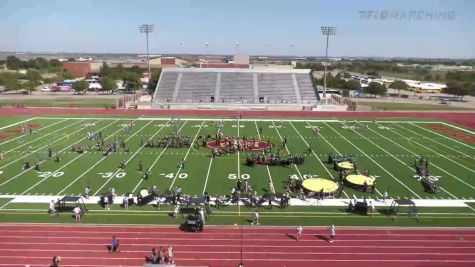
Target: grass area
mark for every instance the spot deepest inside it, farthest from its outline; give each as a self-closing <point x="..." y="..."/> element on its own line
<point x="409" y="106"/>
<point x="386" y="148"/>
<point x="61" y="102"/>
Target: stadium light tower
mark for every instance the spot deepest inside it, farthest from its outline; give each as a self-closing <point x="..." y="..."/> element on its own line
<point x="237" y="47"/>
<point x="327" y="31"/>
<point x="147" y="28"/>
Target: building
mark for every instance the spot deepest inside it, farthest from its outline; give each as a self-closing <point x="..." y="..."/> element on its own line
<point x="81" y="69"/>
<point x="423" y="87"/>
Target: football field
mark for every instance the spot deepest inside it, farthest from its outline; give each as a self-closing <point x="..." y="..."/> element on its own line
<point x="387" y="148"/>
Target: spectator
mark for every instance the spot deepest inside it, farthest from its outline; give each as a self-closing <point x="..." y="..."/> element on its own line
<point x="77" y="213"/>
<point x="114" y="245"/>
<point x="55" y="261"/>
<point x="299" y="232"/>
<point x="106" y="202"/>
<point x="332" y="233"/>
<point x="125" y="202"/>
<point x="255" y="218"/>
<point x="385" y="195"/>
<point x="202" y="215"/>
<point x="170" y="255"/>
<point x="87" y="191"/>
<point x="162" y="254"/>
<point x="154" y="257"/>
<point x="52" y="209"/>
<point x="176" y="211"/>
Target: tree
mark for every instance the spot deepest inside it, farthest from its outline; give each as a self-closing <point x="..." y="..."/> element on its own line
<point x="153" y="82"/>
<point x="108" y="84"/>
<point x="13" y="63"/>
<point x="375" y="88"/>
<point x="353" y="85"/>
<point x="399" y="85"/>
<point x="80" y="86"/>
<point x="457" y="89"/>
<point x="30" y="86"/>
<point x="71" y="59"/>
<point x="67" y="75"/>
<point x="34" y="77"/>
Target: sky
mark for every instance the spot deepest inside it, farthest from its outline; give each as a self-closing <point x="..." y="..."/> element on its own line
<point x="365" y="28"/>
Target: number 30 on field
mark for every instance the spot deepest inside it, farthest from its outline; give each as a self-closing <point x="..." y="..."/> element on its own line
<point x="108" y="175"/>
<point x="234" y="176"/>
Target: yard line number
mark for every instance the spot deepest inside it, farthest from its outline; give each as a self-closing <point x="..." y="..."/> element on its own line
<point x="234" y="176"/>
<point x="107" y="175"/>
<point x="50" y="174"/>
<point x="171" y="175"/>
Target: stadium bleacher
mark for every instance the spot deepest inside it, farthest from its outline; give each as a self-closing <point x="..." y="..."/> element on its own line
<point x="235" y="86"/>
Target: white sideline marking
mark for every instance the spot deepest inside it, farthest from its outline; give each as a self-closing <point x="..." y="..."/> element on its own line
<point x="159" y="156"/>
<point x="247" y="120"/>
<point x="444" y="135"/>
<point x="186" y="156"/>
<point x="131" y="157"/>
<point x="267" y="166"/>
<point x="207" y="174"/>
<point x="390" y="174"/>
<point x="79" y="177"/>
<point x="281" y="139"/>
<point x="463" y="166"/>
<point x="457" y="127"/>
<point x="425" y="147"/>
<point x="34" y="151"/>
<point x="23" y="135"/>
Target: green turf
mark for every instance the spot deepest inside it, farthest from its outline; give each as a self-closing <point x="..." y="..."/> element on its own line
<point x="409" y="106"/>
<point x="387" y="153"/>
<point x="61" y="102"/>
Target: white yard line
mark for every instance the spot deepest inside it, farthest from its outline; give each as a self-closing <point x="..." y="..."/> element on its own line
<point x="267" y="166"/>
<point x="42" y="136"/>
<point x="370" y="158"/>
<point x="113" y="134"/>
<point x="34" y="151"/>
<point x="42" y="180"/>
<point x="436" y="133"/>
<point x="425" y="147"/>
<point x="128" y="160"/>
<point x="238" y="156"/>
<point x="207" y="174"/>
<point x="415" y="154"/>
<point x="186" y="156"/>
<point x="281" y="139"/>
<point x="20" y="122"/>
<point x="14" y="177"/>
<point x="157" y="158"/>
<point x="336" y="150"/>
<point x="39" y="130"/>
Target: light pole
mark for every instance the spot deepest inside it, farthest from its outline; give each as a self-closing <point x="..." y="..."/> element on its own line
<point x="327" y="30"/>
<point x="147" y="28"/>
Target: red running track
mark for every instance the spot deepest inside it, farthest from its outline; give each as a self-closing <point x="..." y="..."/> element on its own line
<point x="466" y="119"/>
<point x="86" y="245"/>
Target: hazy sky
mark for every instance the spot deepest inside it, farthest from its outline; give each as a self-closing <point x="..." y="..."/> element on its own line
<point x="112" y="26"/>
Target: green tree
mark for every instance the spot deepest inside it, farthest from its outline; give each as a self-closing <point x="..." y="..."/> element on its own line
<point x="80" y="86"/>
<point x="353" y="85"/>
<point x="34" y="77"/>
<point x="375" y="88"/>
<point x="153" y="82"/>
<point x="399" y="85"/>
<point x="71" y="59"/>
<point x="67" y="75"/>
<point x="458" y="88"/>
<point x="13" y="63"/>
<point x="30" y="86"/>
<point x="108" y="84"/>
